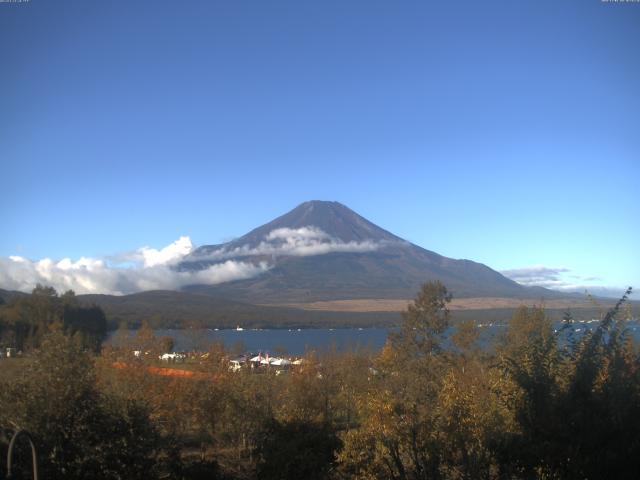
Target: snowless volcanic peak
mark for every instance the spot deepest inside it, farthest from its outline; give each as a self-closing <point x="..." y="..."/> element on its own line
<point x="325" y="251"/>
<point x="312" y="228"/>
<point x="334" y="219"/>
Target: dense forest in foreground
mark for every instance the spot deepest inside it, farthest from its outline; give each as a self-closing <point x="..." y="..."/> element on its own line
<point x="540" y="403"/>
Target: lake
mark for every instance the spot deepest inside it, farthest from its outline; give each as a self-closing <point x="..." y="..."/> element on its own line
<point x="300" y="341"/>
<point x="293" y="342"/>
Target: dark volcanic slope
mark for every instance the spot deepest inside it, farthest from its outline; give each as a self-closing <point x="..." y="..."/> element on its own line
<point x="392" y="268"/>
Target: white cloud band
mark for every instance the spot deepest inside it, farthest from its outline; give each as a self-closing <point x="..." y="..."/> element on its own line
<point x="155" y="269"/>
<point x="144" y="269"/>
<point x="305" y="241"/>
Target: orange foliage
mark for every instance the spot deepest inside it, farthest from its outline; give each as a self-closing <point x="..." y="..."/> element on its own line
<point x="170" y="372"/>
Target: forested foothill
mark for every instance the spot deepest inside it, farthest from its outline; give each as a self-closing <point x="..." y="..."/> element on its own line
<point x="26" y="319"/>
<point x="541" y="402"/>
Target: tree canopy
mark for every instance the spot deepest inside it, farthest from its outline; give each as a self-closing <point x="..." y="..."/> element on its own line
<point x="26" y="319"/>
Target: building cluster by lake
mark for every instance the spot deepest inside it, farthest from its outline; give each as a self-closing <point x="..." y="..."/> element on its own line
<point x="252" y="361"/>
<point x="263" y="361"/>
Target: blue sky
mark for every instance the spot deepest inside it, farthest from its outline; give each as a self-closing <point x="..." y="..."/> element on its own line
<point x="499" y="131"/>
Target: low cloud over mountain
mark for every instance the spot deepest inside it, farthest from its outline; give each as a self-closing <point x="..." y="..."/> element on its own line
<point x="304" y="241"/>
<point x="152" y="269"/>
<point x="144" y="269"/>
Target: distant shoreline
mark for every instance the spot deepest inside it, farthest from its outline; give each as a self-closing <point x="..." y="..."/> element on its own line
<point x="474" y="303"/>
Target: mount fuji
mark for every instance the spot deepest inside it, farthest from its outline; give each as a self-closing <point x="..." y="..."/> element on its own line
<point x="324" y="251"/>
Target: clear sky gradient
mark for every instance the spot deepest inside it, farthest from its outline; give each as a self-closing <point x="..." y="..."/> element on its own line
<point x="504" y="132"/>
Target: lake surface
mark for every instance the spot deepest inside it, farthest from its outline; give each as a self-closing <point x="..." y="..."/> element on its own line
<point x="294" y="342"/>
<point x="298" y="342"/>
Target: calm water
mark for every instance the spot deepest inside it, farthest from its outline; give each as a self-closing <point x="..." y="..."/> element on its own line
<point x="294" y="342"/>
<point x="298" y="342"/>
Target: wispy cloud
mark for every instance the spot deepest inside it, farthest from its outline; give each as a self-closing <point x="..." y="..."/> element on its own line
<point x="537" y="275"/>
<point x="557" y="278"/>
<point x="305" y="241"/>
<point x="144" y="269"/>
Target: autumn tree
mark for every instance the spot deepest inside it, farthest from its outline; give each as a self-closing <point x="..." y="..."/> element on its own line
<point x="399" y="414"/>
<point x="471" y="417"/>
<point x="80" y="433"/>
<point x="576" y="399"/>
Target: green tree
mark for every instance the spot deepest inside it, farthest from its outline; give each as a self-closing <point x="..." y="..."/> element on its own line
<point x="424" y="321"/>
